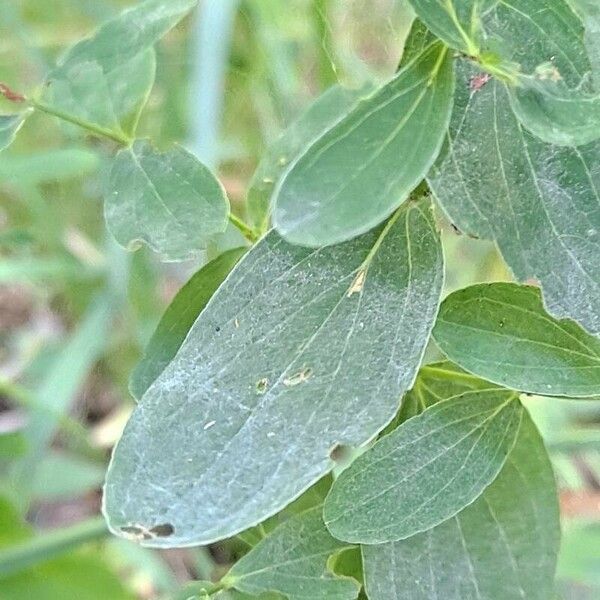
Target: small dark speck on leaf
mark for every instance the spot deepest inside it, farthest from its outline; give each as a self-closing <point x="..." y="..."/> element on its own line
<point x="261" y="385"/>
<point x="132" y="529"/>
<point x="217" y="329"/>
<point x="340" y="453"/>
<point x="164" y="530"/>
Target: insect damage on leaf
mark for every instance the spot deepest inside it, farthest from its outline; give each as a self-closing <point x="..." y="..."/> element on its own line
<point x="139" y="532"/>
<point x="298" y="378"/>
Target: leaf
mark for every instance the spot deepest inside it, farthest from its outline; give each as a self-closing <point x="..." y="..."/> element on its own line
<point x="537" y="201"/>
<point x="590" y="12"/>
<point x="527" y="35"/>
<point x="169" y="201"/>
<point x="425" y="471"/>
<point x="293" y="561"/>
<point x="265" y="387"/>
<point x="435" y="382"/>
<point x="49" y="165"/>
<point x="67" y="373"/>
<point x="80" y="575"/>
<point x="322" y="114"/>
<point x="360" y="170"/>
<point x="501" y="332"/>
<point x="501" y="547"/>
<point x="511" y="37"/>
<point x="457" y="22"/>
<point x="105" y="79"/>
<point x="556" y="114"/>
<point x="9" y="127"/>
<point x="179" y="318"/>
<point x="61" y="476"/>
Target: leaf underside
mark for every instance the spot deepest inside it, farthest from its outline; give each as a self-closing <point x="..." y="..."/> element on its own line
<point x="264" y="387"/>
<point x="540" y="203"/>
<point x="179" y="318"/>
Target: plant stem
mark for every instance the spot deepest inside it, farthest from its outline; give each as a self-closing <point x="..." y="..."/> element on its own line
<point x="91" y="127"/>
<point x="245" y="229"/>
<point x="50" y="545"/>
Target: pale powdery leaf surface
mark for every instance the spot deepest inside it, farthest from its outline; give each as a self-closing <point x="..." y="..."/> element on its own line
<point x="425" y="471"/>
<point x="292" y="560"/>
<point x="502" y="547"/>
<point x="298" y="351"/>
<point x="178" y="320"/>
<point x="501" y="331"/>
<point x="539" y="202"/>
<point x="169" y="201"/>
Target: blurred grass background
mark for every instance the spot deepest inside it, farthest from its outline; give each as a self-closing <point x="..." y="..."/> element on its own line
<point x="76" y="311"/>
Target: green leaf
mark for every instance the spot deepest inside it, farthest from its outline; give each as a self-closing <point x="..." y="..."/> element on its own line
<point x="425" y="471"/>
<point x="58" y="387"/>
<point x="79" y="575"/>
<point x="457" y="22"/>
<point x="502" y="547"/>
<point x="537" y="201"/>
<point x="265" y="386"/>
<point x="58" y="164"/>
<point x="525" y="35"/>
<point x="61" y="476"/>
<point x="105" y="79"/>
<point x="179" y="318"/>
<point x="509" y="37"/>
<point x="556" y="114"/>
<point x="12" y="445"/>
<point x="169" y="201"/>
<point x="501" y="331"/>
<point x="590" y="12"/>
<point x="435" y="382"/>
<point x="9" y="127"/>
<point x="323" y="114"/>
<point x="293" y="561"/>
<point x="361" y="169"/>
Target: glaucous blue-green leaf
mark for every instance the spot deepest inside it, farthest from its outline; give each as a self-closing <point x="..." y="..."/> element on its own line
<point x="425" y="471"/>
<point x="323" y="114"/>
<point x="105" y="79"/>
<point x="292" y="561"/>
<point x="299" y="351"/>
<point x="179" y="318"/>
<point x="501" y="547"/>
<point x="435" y="382"/>
<point x="539" y="202"/>
<point x="556" y="114"/>
<point x="9" y="127"/>
<point x="457" y="22"/>
<point x="360" y="170"/>
<point x="501" y="331"/>
<point x="590" y="14"/>
<point x="525" y="35"/>
<point x="510" y="36"/>
<point x="169" y="201"/>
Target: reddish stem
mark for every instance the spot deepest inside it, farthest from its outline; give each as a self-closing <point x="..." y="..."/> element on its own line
<point x="10" y="95"/>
